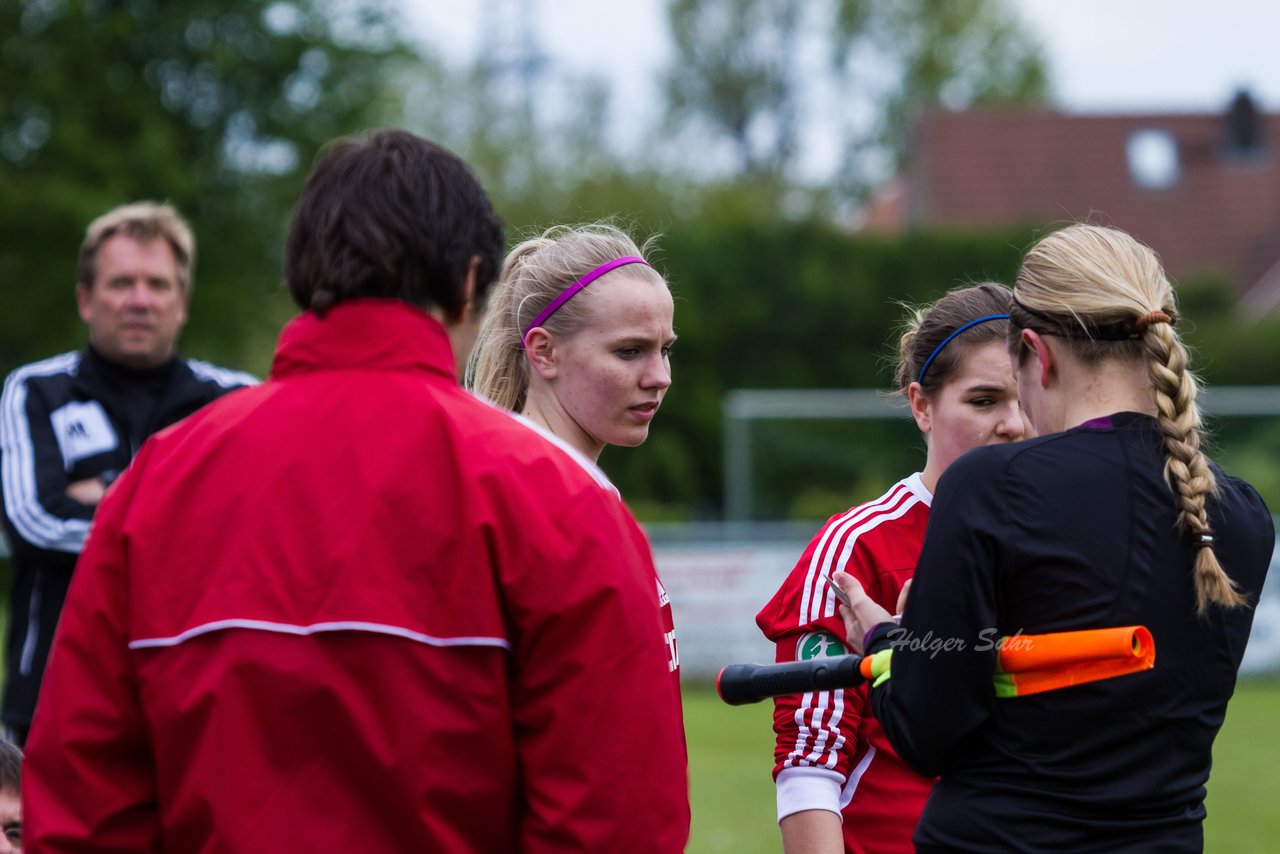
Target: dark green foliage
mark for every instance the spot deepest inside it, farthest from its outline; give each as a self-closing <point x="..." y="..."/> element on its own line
<point x="1230" y="349"/>
<point x="749" y="80"/>
<point x="220" y="105"/>
<point x="762" y="304"/>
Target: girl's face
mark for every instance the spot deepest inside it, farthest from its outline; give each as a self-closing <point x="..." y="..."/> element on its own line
<point x="977" y="405"/>
<point x="607" y="381"/>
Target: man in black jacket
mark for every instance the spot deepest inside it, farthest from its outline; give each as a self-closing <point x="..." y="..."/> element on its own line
<point x="71" y="423"/>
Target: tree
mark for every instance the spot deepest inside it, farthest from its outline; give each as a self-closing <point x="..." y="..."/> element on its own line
<point x="498" y="116"/>
<point x="952" y="54"/>
<point x="735" y="73"/>
<point x="747" y="73"/>
<point x="215" y="105"/>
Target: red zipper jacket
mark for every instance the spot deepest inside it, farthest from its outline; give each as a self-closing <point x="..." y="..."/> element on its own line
<point x="356" y="606"/>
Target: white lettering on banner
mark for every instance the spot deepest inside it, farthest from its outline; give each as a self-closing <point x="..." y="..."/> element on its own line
<point x="1262" y="655"/>
<point x="82" y="430"/>
<point x="716" y="591"/>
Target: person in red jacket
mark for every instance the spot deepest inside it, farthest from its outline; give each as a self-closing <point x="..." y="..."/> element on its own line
<point x="357" y="606"/>
<point x="589" y="365"/>
<point x="840" y="786"/>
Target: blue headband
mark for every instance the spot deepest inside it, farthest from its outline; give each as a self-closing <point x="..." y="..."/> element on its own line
<point x="947" y="340"/>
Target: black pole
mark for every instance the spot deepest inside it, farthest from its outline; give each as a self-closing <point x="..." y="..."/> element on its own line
<point x="739" y="684"/>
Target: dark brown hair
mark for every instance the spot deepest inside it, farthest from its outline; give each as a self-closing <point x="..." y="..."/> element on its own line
<point x="927" y="327"/>
<point x="390" y="214"/>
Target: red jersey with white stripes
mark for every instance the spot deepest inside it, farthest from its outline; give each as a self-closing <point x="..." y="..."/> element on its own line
<point x="831" y="752"/>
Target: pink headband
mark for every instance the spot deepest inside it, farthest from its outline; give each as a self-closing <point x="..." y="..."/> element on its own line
<point x="569" y="292"/>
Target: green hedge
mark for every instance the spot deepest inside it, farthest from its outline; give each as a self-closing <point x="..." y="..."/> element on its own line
<point x="764" y="305"/>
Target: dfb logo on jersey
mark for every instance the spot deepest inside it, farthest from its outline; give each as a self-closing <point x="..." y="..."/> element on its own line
<point x="819" y="645"/>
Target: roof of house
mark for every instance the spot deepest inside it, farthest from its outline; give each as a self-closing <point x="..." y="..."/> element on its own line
<point x="1203" y="190"/>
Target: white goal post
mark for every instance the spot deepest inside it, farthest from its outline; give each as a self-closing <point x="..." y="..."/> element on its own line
<point x="741" y="407"/>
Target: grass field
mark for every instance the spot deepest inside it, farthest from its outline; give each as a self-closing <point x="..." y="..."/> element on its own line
<point x="730" y="757"/>
<point x="731" y="754"/>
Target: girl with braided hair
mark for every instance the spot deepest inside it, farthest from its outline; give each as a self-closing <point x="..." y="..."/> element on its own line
<point x="1112" y="516"/>
<point x="1118" y="308"/>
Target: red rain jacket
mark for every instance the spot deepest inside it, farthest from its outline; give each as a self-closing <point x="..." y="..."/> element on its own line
<point x="357" y="607"/>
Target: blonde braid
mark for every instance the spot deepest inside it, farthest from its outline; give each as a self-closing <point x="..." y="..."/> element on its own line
<point x="1186" y="469"/>
<point x="1086" y="280"/>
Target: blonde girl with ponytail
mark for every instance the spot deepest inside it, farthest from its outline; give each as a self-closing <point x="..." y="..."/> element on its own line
<point x="577" y="337"/>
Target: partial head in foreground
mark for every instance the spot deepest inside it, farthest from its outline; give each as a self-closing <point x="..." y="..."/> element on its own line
<point x="954" y="370"/>
<point x="578" y="337"/>
<point x="1098" y="301"/>
<point x="10" y="797"/>
<point x="391" y="215"/>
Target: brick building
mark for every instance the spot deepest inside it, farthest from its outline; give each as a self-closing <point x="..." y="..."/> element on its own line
<point x="1203" y="190"/>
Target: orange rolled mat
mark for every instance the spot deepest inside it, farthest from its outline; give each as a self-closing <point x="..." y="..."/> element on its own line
<point x="1033" y="664"/>
<point x="1020" y="653"/>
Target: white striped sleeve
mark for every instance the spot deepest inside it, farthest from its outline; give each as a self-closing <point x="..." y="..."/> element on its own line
<point x="819" y="739"/>
<point x="224" y="377"/>
<point x="18" y="475"/>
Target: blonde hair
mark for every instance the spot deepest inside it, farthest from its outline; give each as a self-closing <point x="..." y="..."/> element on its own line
<point x="143" y="221"/>
<point x="1107" y="295"/>
<point x="533" y="274"/>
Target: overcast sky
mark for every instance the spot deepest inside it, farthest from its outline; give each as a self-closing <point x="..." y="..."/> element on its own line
<point x="1103" y="55"/>
<point x="1155" y="55"/>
